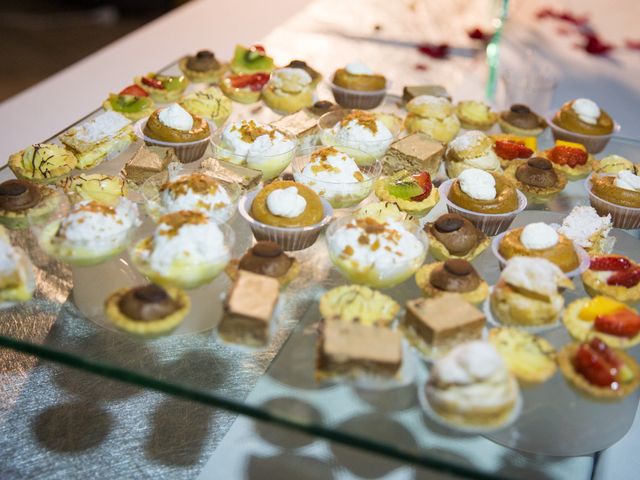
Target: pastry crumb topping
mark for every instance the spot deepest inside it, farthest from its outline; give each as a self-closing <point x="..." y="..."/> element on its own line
<point x="366" y="119"/>
<point x="250" y="131"/>
<point x="176" y="220"/>
<point x="95" y="207"/>
<point x="198" y="183"/>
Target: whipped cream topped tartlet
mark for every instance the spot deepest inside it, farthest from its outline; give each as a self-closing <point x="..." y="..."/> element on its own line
<point x="90" y="232"/>
<point x="200" y="192"/>
<point x="472" y="149"/>
<point x="337" y="174"/>
<point x="471" y="387"/>
<point x="288" y="90"/>
<point x="258" y="145"/>
<point x="186" y="250"/>
<point x="357" y="129"/>
<point x="375" y="253"/>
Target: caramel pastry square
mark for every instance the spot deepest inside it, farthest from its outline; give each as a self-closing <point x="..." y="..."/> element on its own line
<point x="415" y="153"/>
<point x="148" y="161"/>
<point x="411" y="92"/>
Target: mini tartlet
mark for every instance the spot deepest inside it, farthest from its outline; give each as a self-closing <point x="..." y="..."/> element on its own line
<point x="598" y="371"/>
<point x="583" y="121"/>
<point x="453" y="276"/>
<point x="374" y="253"/>
<point x="203" y="67"/>
<point x="616" y="195"/>
<point x="584" y="227"/>
<point x="537" y="178"/>
<point x="489" y="201"/>
<point x="266" y="258"/>
<point x="471" y="387"/>
<point x="521" y="120"/>
<point x="107" y="189"/>
<point x="357" y="86"/>
<point x="256" y="145"/>
<point x="43" y="163"/>
<point x="147" y="310"/>
<point x="527" y="293"/>
<point x="613" y="322"/>
<point x="185" y="250"/>
<point x="341" y="175"/>
<point x="251" y="60"/>
<point x="358" y="304"/>
<point x="287" y="213"/>
<point x="510" y="148"/>
<point x="162" y="88"/>
<point x="615" y="276"/>
<point x="434" y="116"/>
<point x="209" y="103"/>
<point x="413" y="194"/>
<point x="17" y="278"/>
<point x="541" y="241"/>
<point x="532" y="359"/>
<point x="244" y="87"/>
<point x="475" y="115"/>
<point x="453" y="236"/>
<point x="368" y="132"/>
<point x="90" y="232"/>
<point x="173" y="126"/>
<point x="612" y="164"/>
<point x="288" y="90"/>
<point x="316" y="76"/>
<point x="24" y="203"/>
<point x="472" y="149"/>
<point x="133" y="102"/>
<point x="570" y="158"/>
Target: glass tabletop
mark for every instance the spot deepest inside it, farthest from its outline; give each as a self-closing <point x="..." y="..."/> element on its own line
<point x="194" y="363"/>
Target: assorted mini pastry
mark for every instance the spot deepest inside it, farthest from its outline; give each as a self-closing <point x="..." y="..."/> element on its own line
<point x="245" y="178"/>
<point x="107" y="189"/>
<point x="475" y="115"/>
<point x="147" y="310"/>
<point x="197" y="191"/>
<point x="521" y="120"/>
<point x="185" y="250"/>
<point x="472" y="149"/>
<point x="209" y="103"/>
<point x="244" y="87"/>
<point x="266" y="258"/>
<point x="511" y="147"/>
<point x="453" y="276"/>
<point x="358" y="86"/>
<point x="17" y="279"/>
<point x="612" y="164"/>
<point x="90" y="232"/>
<point x="570" y="158"/>
<point x="337" y="175"/>
<point x="358" y="304"/>
<point x="527" y="293"/>
<point x="413" y="194"/>
<point x="613" y="322"/>
<point x="471" y="387"/>
<point x="374" y="253"/>
<point x="43" y="163"/>
<point x="434" y="116"/>
<point x="615" y="276"/>
<point x="436" y="325"/>
<point x="203" y="67"/>
<point x="251" y="60"/>
<point x="163" y="88"/>
<point x="24" y="203"/>
<point x="316" y="76"/>
<point x="532" y="359"/>
<point x="256" y="145"/>
<point x="583" y="121"/>
<point x="542" y="241"/>
<point x="537" y="178"/>
<point x="368" y="132"/>
<point x="616" y="195"/>
<point x="133" y="102"/>
<point x="412" y="91"/>
<point x="599" y="371"/>
<point x="452" y="236"/>
<point x="99" y="139"/>
<point x="482" y="192"/>
<point x="585" y="228"/>
<point x="288" y="90"/>
<point x="414" y="153"/>
<point x="147" y="162"/>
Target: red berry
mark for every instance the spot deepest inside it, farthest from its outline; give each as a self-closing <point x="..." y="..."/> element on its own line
<point x="153" y="83"/>
<point x="564" y="155"/>
<point x="254" y="81"/>
<point x="623" y="323"/>
<point x="424" y="180"/>
<point x="625" y="278"/>
<point x="135" y="90"/>
<point x="509" y="150"/>
<point x="258" y="48"/>
<point x="593" y="366"/>
<point x="612" y="263"/>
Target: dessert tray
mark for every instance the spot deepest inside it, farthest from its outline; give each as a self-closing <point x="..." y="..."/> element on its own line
<point x="68" y="324"/>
